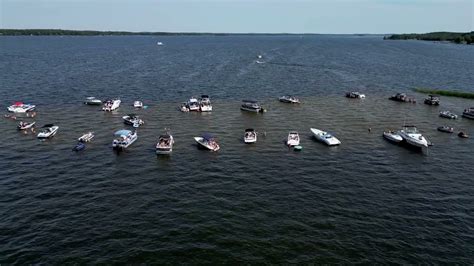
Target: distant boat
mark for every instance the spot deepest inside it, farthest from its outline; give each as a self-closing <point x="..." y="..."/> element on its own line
<point x="251" y="106"/>
<point x="293" y="139"/>
<point x="250" y="136"/>
<point x="48" y="131"/>
<point x="325" y="137"/>
<point x="111" y="105"/>
<point x="355" y="94"/>
<point x="20" y="107"/>
<point x="25" y="125"/>
<point x="392" y="136"/>
<point x="124" y="138"/>
<point x="413" y="137"/>
<point x="159" y="43"/>
<point x="288" y="99"/>
<point x="448" y="114"/>
<point x="207" y="141"/>
<point x="138" y="104"/>
<point x="92" y="101"/>
<point x="165" y="144"/>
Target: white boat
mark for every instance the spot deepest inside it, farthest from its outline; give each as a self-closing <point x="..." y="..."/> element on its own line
<point x="184" y="108"/>
<point x="111" y="105"/>
<point x="251" y="106"/>
<point x="86" y="137"/>
<point x="193" y="104"/>
<point x="259" y="56"/>
<point x="293" y="139"/>
<point x="392" y="136"/>
<point x="468" y="113"/>
<point x="411" y="135"/>
<point x="250" y="136"/>
<point x="448" y="114"/>
<point x="165" y="144"/>
<point x="133" y="120"/>
<point x="123" y="139"/>
<point x="138" y="104"/>
<point x="92" y="101"/>
<point x="47" y="131"/>
<point x="20" y="107"/>
<point x="325" y="137"/>
<point x="159" y="43"/>
<point x="289" y="99"/>
<point x="205" y="103"/>
<point x="25" y="125"/>
<point x="355" y="94"/>
<point x="207" y="141"/>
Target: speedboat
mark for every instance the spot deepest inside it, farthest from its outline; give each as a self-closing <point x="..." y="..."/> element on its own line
<point x="250" y="136"/>
<point x="193" y="104"/>
<point x="111" y="105"/>
<point x="205" y="103"/>
<point x="207" y="141"/>
<point x="92" y="101"/>
<point x="411" y="135"/>
<point x="123" y="139"/>
<point x="446" y="129"/>
<point x="325" y="137"/>
<point x="468" y="113"/>
<point x="402" y="97"/>
<point x="133" y="120"/>
<point x="392" y="136"/>
<point x="251" y="106"/>
<point x="288" y="99"/>
<point x="138" y="104"/>
<point x="25" y="125"/>
<point x="47" y="131"/>
<point x="293" y="139"/>
<point x="20" y="107"/>
<point x="159" y="43"/>
<point x="355" y="94"/>
<point x="86" y="137"/>
<point x="165" y="144"/>
<point x="432" y="100"/>
<point x="448" y="114"/>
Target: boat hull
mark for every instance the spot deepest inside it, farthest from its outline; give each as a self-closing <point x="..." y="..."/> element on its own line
<point x="48" y="135"/>
<point x="395" y="138"/>
<point x="204" y="144"/>
<point x="319" y="135"/>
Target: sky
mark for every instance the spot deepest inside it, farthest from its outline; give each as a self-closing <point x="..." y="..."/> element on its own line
<point x="242" y="16"/>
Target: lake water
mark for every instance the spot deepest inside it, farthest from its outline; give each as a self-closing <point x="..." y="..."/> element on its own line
<point x="366" y="201"/>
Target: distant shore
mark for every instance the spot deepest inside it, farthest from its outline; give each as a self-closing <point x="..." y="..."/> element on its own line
<point x="460" y="94"/>
<point x="60" y="32"/>
<point x="455" y="37"/>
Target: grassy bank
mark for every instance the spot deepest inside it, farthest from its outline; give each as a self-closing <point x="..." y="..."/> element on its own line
<point x="460" y="94"/>
<point x="456" y="37"/>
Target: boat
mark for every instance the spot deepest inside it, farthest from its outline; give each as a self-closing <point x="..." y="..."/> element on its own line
<point x="392" y="136"/>
<point x="412" y="136"/>
<point x="259" y="56"/>
<point x="25" y="125"/>
<point x="288" y="99"/>
<point x="250" y="136"/>
<point x="251" y="106"/>
<point x="355" y="95"/>
<point x="165" y="144"/>
<point x="86" y="137"/>
<point x="293" y="139"/>
<point x="92" y="101"/>
<point x="111" y="105"/>
<point x="184" y="108"/>
<point x="402" y="97"/>
<point x="432" y="100"/>
<point x="446" y="129"/>
<point x="468" y="113"/>
<point x="462" y="134"/>
<point x="448" y="114"/>
<point x="193" y="104"/>
<point x="207" y="141"/>
<point x="79" y="146"/>
<point x="205" y="103"/>
<point x="133" y="120"/>
<point x="47" y="131"/>
<point x="325" y="137"/>
<point x="123" y="139"/>
<point x="20" y="107"/>
<point x="159" y="43"/>
<point x="138" y="104"/>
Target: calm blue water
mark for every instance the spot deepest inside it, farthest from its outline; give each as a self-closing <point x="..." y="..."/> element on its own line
<point x="366" y="201"/>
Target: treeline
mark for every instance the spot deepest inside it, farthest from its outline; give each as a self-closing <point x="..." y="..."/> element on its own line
<point x="58" y="32"/>
<point x="457" y="37"/>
